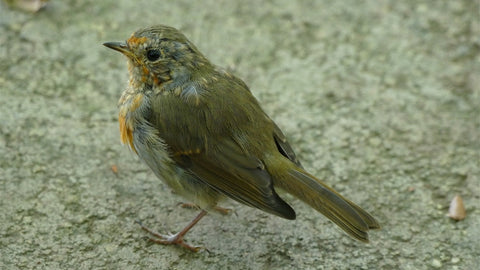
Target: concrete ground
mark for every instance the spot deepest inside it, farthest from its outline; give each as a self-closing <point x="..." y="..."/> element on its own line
<point x="379" y="98"/>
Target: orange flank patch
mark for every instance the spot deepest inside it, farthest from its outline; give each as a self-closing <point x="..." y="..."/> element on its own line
<point x="136" y="102"/>
<point x="126" y="125"/>
<point x="136" y="40"/>
<point x="126" y="132"/>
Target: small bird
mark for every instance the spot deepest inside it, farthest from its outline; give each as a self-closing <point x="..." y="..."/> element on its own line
<point x="202" y="132"/>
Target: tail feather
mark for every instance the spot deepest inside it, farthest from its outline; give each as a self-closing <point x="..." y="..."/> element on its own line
<point x="371" y="221"/>
<point x="347" y="215"/>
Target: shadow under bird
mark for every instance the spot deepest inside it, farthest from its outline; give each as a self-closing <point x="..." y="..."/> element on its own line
<point x="202" y="132"/>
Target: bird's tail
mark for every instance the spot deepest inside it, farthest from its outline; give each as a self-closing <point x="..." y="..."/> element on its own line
<point x="347" y="215"/>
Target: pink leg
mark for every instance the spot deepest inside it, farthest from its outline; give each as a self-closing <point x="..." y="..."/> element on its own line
<point x="175" y="239"/>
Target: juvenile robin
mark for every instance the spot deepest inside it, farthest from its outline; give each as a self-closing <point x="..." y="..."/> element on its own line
<point x="204" y="134"/>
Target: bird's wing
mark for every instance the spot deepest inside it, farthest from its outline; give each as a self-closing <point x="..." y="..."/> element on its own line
<point x="215" y="135"/>
<point x="283" y="146"/>
<point x="236" y="174"/>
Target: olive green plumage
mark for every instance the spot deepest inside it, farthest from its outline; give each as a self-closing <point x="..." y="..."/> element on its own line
<point x="202" y="129"/>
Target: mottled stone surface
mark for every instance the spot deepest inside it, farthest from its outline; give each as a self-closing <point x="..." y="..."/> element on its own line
<point x="379" y="98"/>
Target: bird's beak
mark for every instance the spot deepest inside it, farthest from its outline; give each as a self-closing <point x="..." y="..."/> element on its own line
<point x="119" y="46"/>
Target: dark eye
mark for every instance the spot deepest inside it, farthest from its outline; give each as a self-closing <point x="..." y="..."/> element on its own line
<point x="153" y="55"/>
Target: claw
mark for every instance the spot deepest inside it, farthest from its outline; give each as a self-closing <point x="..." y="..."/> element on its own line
<point x="174" y="239"/>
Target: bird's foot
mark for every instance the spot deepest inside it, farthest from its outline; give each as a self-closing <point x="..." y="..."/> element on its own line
<point x="170" y="239"/>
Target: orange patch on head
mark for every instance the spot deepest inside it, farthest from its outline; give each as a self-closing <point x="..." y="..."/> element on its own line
<point x="136" y="40"/>
<point x="145" y="73"/>
<point x="145" y="70"/>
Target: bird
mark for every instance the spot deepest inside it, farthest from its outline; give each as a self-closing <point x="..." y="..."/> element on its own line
<point x="203" y="133"/>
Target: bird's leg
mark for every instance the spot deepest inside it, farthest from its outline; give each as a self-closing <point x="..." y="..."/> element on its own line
<point x="175" y="239"/>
